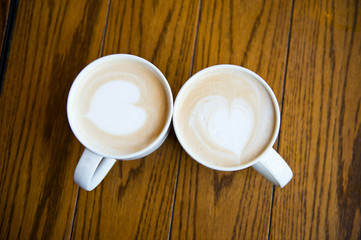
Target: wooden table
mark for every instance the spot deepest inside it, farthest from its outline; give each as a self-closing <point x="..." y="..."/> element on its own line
<point x="309" y="52"/>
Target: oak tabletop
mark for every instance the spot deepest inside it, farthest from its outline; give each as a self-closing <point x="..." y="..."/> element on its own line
<point x="309" y="52"/>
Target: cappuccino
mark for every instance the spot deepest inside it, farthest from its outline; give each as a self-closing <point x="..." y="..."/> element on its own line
<point x="225" y="117"/>
<point x="118" y="106"/>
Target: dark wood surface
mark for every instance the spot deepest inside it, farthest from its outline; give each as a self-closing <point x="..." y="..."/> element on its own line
<point x="308" y="52"/>
<point x="4" y="13"/>
<point x="52" y="41"/>
<point x="321" y="125"/>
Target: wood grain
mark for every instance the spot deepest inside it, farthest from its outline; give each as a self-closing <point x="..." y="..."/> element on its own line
<point x="232" y="205"/>
<point x="135" y="199"/>
<point x="52" y="42"/>
<point x="321" y="128"/>
<point x="308" y="52"/>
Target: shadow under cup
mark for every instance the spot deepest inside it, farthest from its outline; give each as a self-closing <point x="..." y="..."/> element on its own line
<point x="226" y="117"/>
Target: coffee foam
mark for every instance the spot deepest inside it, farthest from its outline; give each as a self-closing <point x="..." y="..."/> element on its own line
<point x="120" y="107"/>
<point x="224" y="117"/>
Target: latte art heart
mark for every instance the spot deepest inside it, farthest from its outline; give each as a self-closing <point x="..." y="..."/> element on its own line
<point x="112" y="108"/>
<point x="226" y="124"/>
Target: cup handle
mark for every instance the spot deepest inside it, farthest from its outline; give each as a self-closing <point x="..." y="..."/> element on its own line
<point x="91" y="169"/>
<point x="272" y="166"/>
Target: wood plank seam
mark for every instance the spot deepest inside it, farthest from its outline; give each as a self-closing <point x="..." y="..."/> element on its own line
<point x="8" y="33"/>
<point x="182" y="151"/>
<point x="281" y="108"/>
<point x="100" y="55"/>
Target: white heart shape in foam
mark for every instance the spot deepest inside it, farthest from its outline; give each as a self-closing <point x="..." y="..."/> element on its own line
<point x="112" y="108"/>
<point x="227" y="125"/>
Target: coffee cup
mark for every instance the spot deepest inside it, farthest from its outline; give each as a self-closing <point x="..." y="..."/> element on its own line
<point x="227" y="118"/>
<point x="120" y="108"/>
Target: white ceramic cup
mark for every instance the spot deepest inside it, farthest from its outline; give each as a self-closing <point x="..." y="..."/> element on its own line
<point x="268" y="163"/>
<point x="93" y="166"/>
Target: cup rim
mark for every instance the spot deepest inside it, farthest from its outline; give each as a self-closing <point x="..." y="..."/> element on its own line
<point x="274" y="102"/>
<point x="121" y="56"/>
